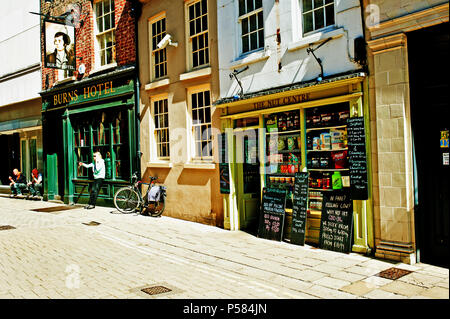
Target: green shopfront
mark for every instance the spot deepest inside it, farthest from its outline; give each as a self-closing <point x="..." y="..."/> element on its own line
<point x="96" y="114"/>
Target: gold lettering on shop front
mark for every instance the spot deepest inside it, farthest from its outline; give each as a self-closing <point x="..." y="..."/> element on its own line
<point x="88" y="92"/>
<point x="281" y="101"/>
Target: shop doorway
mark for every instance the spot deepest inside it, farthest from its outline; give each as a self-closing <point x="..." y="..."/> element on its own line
<point x="248" y="182"/>
<point x="430" y="113"/>
<point x="11" y="144"/>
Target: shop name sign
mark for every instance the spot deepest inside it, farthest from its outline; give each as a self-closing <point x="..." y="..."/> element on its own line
<point x="281" y="101"/>
<point x="89" y="92"/>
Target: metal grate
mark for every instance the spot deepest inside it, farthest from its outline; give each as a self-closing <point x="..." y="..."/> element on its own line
<point x="6" y="227"/>
<point x="155" y="290"/>
<point x="393" y="273"/>
<point x="53" y="209"/>
<point x="92" y="223"/>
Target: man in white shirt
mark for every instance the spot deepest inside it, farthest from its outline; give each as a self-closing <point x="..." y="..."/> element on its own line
<point x="98" y="168"/>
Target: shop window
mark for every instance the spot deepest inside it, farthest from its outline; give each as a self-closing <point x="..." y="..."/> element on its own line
<point x="201" y="124"/>
<point x="158" y="56"/>
<point x="28" y="156"/>
<point x="104" y="132"/>
<point x="327" y="151"/>
<point x="198" y="37"/>
<point x="252" y="25"/>
<point x="317" y="14"/>
<point x="283" y="150"/>
<point x="161" y="120"/>
<point x="105" y="32"/>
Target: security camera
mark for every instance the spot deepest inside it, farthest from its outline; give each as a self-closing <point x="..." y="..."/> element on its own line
<point x="165" y="41"/>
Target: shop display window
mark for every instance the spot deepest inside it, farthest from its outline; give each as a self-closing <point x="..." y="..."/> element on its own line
<point x="283" y="150"/>
<point x="326" y="151"/>
<point x="104" y="132"/>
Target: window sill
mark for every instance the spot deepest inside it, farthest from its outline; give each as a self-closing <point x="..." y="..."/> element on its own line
<point x="251" y="58"/>
<point x="103" y="68"/>
<point x="160" y="164"/>
<point x="315" y="38"/>
<point x="195" y="74"/>
<point x="65" y="80"/>
<point x="156" y="84"/>
<point x="200" y="165"/>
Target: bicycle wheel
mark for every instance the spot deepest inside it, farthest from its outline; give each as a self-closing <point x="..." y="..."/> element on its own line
<point x="156" y="209"/>
<point x="126" y="200"/>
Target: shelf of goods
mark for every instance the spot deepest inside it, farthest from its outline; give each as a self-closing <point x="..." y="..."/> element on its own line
<point x="327" y="158"/>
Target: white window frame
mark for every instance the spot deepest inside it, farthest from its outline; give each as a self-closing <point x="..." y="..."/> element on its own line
<point x="97" y="49"/>
<point x="154" y="143"/>
<point x="152" y="50"/>
<point x="243" y="17"/>
<point x="191" y="135"/>
<point x="324" y="16"/>
<point x="189" y="38"/>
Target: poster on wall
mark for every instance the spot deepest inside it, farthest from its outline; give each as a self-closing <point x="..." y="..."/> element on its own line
<point x="59" y="46"/>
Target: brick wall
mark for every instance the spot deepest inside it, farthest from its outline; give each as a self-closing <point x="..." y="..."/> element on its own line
<point x="85" y="36"/>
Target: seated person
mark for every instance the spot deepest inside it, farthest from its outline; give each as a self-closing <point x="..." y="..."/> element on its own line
<point x="35" y="186"/>
<point x="18" y="183"/>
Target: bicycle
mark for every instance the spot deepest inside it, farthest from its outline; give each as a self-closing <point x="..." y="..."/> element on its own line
<point x="129" y="199"/>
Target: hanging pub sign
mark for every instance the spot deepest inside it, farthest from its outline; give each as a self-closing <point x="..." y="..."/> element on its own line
<point x="59" y="46"/>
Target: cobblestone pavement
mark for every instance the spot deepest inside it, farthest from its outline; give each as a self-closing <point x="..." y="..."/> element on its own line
<point x="59" y="255"/>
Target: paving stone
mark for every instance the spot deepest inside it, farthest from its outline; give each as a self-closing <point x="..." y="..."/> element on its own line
<point x="402" y="288"/>
<point x="359" y="288"/>
<point x="436" y="293"/>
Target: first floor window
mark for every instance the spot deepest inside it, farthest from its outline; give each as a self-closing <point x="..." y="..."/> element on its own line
<point x="105" y="32"/>
<point x="159" y="56"/>
<point x="317" y="14"/>
<point x="198" y="33"/>
<point x="161" y="119"/>
<point x="252" y="24"/>
<point x="201" y="124"/>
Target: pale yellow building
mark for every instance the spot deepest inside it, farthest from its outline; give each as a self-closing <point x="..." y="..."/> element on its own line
<point x="178" y="122"/>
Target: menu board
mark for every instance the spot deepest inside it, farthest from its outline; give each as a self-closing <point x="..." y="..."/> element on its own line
<point x="299" y="209"/>
<point x="357" y="158"/>
<point x="336" y="223"/>
<point x="224" y="168"/>
<point x="271" y="221"/>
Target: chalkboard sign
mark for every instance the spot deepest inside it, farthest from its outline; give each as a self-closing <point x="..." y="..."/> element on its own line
<point x="271" y="221"/>
<point x="336" y="224"/>
<point x="299" y="208"/>
<point x="357" y="158"/>
<point x="224" y="168"/>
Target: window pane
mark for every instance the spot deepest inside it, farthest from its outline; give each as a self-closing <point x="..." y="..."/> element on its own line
<point x="330" y="14"/>
<point x="307" y="5"/>
<point x="195" y="59"/>
<point x="258" y="4"/>
<point x="318" y="19"/>
<point x="253" y="23"/>
<point x="207" y="98"/>
<point x="241" y="7"/>
<point x="194" y="101"/>
<point x="260" y="20"/>
<point x="99" y="9"/>
<point x="307" y="22"/>
<point x="197" y="9"/>
<point x="204" y="23"/>
<point x="207" y="114"/>
<point x="204" y="7"/>
<point x="254" y="41"/>
<point x="201" y="57"/>
<point x="318" y="3"/>
<point x="100" y="25"/>
<point x="244" y="26"/>
<point x="245" y="44"/>
<point x="191" y="28"/>
<point x="191" y="12"/>
<point x="250" y="6"/>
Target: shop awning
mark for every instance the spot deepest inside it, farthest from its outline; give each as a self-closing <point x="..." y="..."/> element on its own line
<point x="9" y="127"/>
<point x="299" y="86"/>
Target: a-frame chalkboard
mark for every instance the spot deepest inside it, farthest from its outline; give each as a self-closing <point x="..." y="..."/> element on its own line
<point x="299" y="209"/>
<point x="271" y="221"/>
<point x="336" y="224"/>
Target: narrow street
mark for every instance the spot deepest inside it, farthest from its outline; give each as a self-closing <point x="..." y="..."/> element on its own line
<point x="61" y="254"/>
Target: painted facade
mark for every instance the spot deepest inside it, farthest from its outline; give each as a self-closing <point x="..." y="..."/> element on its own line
<point x="178" y="123"/>
<point x="291" y="60"/>
<point x="20" y="103"/>
<point x="94" y="107"/>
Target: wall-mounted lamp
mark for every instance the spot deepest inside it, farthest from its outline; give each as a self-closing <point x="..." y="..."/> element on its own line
<point x="234" y="75"/>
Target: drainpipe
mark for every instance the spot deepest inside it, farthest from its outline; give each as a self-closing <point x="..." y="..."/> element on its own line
<point x="136" y="10"/>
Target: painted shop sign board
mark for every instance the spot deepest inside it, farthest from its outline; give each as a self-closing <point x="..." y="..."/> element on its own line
<point x="271" y="221"/>
<point x="299" y="209"/>
<point x="88" y="93"/>
<point x="336" y="224"/>
<point x="357" y="158"/>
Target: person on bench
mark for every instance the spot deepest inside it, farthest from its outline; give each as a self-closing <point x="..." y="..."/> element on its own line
<point x="35" y="186"/>
<point x="18" y="183"/>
